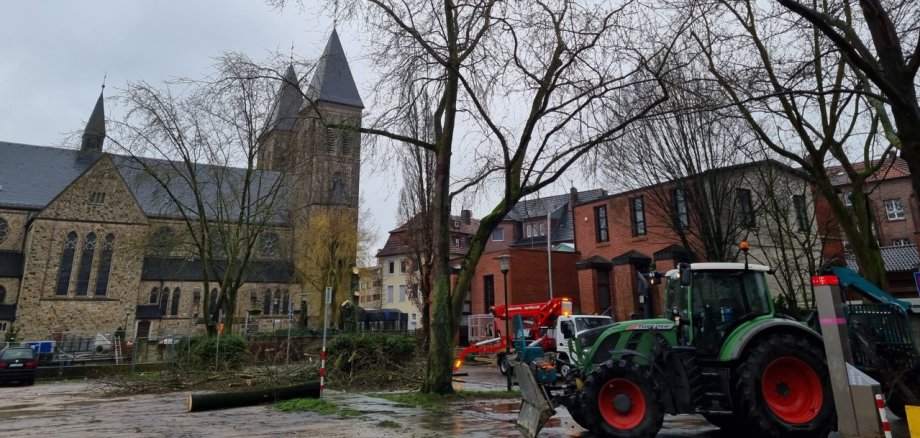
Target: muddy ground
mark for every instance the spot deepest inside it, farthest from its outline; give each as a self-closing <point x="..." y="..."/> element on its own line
<point x="73" y="409"/>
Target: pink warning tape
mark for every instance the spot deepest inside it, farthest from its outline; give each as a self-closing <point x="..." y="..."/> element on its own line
<point x="833" y="321"/>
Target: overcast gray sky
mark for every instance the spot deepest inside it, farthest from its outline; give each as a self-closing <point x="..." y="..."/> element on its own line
<point x="55" y="53"/>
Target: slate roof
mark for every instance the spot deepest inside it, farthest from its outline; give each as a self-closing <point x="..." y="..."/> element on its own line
<point x="213" y="181"/>
<point x="564" y="230"/>
<point x="332" y="80"/>
<point x="287" y="102"/>
<point x="890" y="169"/>
<point x="901" y="258"/>
<point x="396" y="245"/>
<point x="181" y="269"/>
<point x="31" y="176"/>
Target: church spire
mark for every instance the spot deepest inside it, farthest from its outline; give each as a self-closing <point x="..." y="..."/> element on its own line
<point x="287" y="102"/>
<point x="94" y="134"/>
<point x="332" y="81"/>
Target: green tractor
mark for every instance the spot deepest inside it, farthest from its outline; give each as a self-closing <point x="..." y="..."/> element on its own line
<point x="720" y="351"/>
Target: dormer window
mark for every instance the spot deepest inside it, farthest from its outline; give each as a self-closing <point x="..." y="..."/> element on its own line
<point x="97" y="198"/>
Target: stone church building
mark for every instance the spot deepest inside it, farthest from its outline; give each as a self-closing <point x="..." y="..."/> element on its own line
<point x="78" y="227"/>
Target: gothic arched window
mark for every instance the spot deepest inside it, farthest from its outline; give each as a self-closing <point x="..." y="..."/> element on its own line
<point x="174" y="309"/>
<point x="213" y="306"/>
<point x="105" y="265"/>
<point x="267" y="303"/>
<point x="164" y="300"/>
<point x="276" y="305"/>
<point x="284" y="304"/>
<point x="66" y="267"/>
<point x="154" y="294"/>
<point x="337" y="189"/>
<point x="2" y="294"/>
<point x="346" y="142"/>
<point x="330" y="141"/>
<point x="86" y="264"/>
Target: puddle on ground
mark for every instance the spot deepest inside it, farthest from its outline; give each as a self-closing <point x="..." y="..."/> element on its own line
<point x="502" y="408"/>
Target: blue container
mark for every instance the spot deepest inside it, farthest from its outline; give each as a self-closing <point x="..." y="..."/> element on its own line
<point x="41" y="346"/>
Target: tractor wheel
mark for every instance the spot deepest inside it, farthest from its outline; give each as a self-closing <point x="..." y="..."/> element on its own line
<point x="783" y="388"/>
<point x="620" y="400"/>
<point x="503" y="364"/>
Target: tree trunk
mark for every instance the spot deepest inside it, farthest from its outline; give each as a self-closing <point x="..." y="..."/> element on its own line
<point x="226" y="400"/>
<point x="440" y="349"/>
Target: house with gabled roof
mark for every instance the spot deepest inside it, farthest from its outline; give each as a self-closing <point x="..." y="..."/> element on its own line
<point x="81" y="228"/>
<point x="539" y="235"/>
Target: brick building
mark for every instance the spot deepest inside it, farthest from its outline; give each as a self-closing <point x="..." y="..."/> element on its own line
<point x="525" y="234"/>
<point x="895" y="215"/>
<point x="399" y="256"/>
<point x="80" y="228"/>
<point x="624" y="235"/>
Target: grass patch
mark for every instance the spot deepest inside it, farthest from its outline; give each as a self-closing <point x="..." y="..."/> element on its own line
<point x="316" y="405"/>
<point x="389" y="424"/>
<point x="440" y="402"/>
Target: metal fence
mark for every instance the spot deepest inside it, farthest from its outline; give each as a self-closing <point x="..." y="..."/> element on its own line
<point x="73" y="353"/>
<point x="880" y="334"/>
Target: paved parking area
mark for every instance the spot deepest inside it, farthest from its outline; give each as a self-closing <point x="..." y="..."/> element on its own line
<point x="72" y="409"/>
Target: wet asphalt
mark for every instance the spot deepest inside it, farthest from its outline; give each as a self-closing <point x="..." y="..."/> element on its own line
<point x="74" y="409"/>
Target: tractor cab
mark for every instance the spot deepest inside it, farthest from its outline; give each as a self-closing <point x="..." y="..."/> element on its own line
<point x="708" y="301"/>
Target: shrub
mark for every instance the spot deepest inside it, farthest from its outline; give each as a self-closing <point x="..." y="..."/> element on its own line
<point x="355" y="353"/>
<point x="200" y="352"/>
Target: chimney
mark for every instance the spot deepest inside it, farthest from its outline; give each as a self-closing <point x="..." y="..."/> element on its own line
<point x="573" y="197"/>
<point x="466" y="216"/>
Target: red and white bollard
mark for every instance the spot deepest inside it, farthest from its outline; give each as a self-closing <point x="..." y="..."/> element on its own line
<point x="322" y="372"/>
<point x="880" y="403"/>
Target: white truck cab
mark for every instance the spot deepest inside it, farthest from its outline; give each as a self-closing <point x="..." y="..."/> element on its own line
<point x="578" y="324"/>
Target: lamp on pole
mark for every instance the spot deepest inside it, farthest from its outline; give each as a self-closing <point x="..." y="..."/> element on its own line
<point x="504" y="267"/>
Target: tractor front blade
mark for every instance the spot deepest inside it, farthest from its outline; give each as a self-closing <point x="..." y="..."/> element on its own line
<point x="536" y="408"/>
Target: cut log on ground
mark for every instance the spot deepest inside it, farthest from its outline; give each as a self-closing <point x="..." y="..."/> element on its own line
<point x="226" y="400"/>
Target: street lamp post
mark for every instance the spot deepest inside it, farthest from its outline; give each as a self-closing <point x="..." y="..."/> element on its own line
<point x="504" y="267"/>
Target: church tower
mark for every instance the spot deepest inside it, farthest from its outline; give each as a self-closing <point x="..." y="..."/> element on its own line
<point x="277" y="145"/>
<point x="333" y="154"/>
<point x="321" y="159"/>
<point x="94" y="134"/>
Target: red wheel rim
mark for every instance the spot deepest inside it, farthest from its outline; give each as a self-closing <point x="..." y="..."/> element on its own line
<point x="792" y="390"/>
<point x="621" y="418"/>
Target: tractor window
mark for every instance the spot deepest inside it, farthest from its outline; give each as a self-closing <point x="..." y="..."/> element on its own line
<point x="722" y="298"/>
<point x="674" y="297"/>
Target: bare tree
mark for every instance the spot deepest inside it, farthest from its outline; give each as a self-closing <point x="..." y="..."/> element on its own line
<point x="415" y="210"/>
<point x="887" y="63"/>
<point x="682" y="159"/>
<point x="196" y="151"/>
<point x="526" y="87"/>
<point x="802" y="102"/>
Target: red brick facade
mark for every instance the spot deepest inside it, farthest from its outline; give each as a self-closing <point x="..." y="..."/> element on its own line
<point x="621" y="282"/>
<point x="527" y="278"/>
